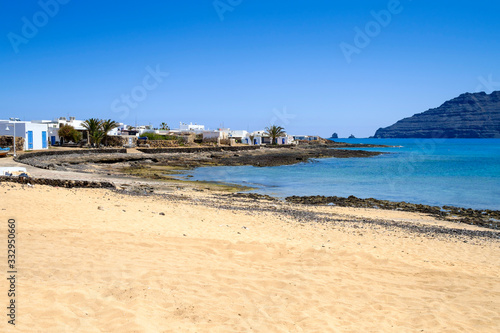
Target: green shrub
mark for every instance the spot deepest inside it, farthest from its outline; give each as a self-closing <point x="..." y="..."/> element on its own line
<point x="154" y="136"/>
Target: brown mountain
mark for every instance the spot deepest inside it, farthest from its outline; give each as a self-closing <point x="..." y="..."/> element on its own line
<point x="467" y="116"/>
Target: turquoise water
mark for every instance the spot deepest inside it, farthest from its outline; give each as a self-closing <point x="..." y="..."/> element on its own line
<point x="455" y="172"/>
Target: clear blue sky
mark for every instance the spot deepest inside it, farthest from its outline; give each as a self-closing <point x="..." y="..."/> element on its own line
<point x="245" y="63"/>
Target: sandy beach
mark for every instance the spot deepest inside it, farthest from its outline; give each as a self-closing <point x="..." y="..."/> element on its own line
<point x="96" y="260"/>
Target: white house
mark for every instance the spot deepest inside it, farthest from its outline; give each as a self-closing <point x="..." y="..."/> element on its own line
<point x="197" y="129"/>
<point x="261" y="138"/>
<point x="35" y="135"/>
<point x="118" y="130"/>
<point x="239" y="135"/>
<point x="306" y="137"/>
<point x="208" y="135"/>
<point x="56" y="124"/>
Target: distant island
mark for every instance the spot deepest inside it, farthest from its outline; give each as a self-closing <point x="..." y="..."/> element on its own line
<point x="467" y="116"/>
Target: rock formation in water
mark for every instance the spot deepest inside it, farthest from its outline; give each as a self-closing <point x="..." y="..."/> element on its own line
<point x="467" y="116"/>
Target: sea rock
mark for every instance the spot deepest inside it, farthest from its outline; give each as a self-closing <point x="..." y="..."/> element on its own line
<point x="467" y="116"/>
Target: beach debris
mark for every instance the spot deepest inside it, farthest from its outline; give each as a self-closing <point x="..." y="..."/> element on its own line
<point x="243" y="227"/>
<point x="162" y="213"/>
<point x="100" y="208"/>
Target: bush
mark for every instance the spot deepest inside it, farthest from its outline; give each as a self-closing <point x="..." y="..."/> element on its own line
<point x="69" y="133"/>
<point x="154" y="136"/>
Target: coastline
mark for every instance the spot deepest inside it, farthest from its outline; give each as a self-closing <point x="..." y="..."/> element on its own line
<point x="153" y="172"/>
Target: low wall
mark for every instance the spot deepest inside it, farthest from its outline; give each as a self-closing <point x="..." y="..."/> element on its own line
<point x="161" y="143"/>
<point x="57" y="182"/>
<point x="69" y="152"/>
<point x="6" y="142"/>
<point x="194" y="149"/>
<point x="120" y="141"/>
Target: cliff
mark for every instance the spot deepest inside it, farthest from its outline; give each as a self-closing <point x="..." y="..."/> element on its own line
<point x="467" y="116"/>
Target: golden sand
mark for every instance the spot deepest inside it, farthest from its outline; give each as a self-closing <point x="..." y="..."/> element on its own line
<point x="99" y="261"/>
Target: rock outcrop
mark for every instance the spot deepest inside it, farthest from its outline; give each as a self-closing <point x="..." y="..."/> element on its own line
<point x="467" y="116"/>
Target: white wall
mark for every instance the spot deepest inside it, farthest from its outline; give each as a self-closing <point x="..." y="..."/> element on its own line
<point x="22" y="129"/>
<point x="38" y="131"/>
<point x="238" y="134"/>
<point x="193" y="128"/>
<point x="214" y="135"/>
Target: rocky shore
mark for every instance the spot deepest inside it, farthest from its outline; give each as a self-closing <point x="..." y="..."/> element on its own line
<point x="178" y="158"/>
<point x="164" y="167"/>
<point x="484" y="218"/>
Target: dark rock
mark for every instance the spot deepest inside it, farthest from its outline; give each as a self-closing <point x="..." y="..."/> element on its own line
<point x="484" y="218"/>
<point x="467" y="116"/>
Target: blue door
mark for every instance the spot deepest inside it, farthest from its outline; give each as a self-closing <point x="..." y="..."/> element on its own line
<point x="30" y="139"/>
<point x="44" y="139"/>
<point x="283" y="141"/>
<point x="53" y="140"/>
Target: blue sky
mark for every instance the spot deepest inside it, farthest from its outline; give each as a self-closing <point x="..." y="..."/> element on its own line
<point x="313" y="67"/>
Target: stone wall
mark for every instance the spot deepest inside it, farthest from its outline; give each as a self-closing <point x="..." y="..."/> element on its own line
<point x="57" y="182"/>
<point x="6" y="142"/>
<point x="160" y="143"/>
<point x="69" y="152"/>
<point x="195" y="149"/>
<point x="120" y="141"/>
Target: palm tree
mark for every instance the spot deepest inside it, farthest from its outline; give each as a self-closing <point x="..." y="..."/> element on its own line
<point x="94" y="127"/>
<point x="97" y="137"/>
<point x="275" y="132"/>
<point x="164" y="126"/>
<point x="108" y="125"/>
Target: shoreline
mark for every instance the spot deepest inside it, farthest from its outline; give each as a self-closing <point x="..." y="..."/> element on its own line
<point x="489" y="219"/>
<point x="154" y="171"/>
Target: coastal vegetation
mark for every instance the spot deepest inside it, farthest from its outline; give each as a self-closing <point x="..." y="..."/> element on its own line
<point x="108" y="125"/>
<point x="69" y="133"/>
<point x="155" y="136"/>
<point x="98" y="129"/>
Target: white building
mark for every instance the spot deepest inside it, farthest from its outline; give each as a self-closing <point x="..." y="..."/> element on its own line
<point x="56" y="124"/>
<point x="197" y="129"/>
<point x="35" y="135"/>
<point x="306" y="137"/>
<point x="118" y="131"/>
<point x="262" y="138"/>
<point x="208" y="135"/>
<point x="238" y="134"/>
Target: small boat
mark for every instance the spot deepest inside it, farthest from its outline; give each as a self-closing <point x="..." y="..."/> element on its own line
<point x="4" y="151"/>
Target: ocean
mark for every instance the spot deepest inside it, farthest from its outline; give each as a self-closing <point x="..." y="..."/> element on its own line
<point x="455" y="172"/>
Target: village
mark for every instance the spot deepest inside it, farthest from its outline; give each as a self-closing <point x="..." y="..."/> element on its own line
<point x="70" y="132"/>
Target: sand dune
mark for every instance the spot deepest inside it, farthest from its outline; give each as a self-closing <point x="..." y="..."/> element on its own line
<point x="98" y="261"/>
